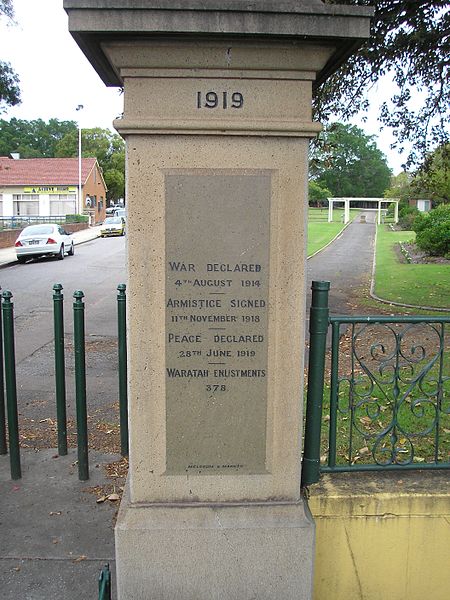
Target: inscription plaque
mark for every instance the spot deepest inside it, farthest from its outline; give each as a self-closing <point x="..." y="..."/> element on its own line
<point x="217" y="295"/>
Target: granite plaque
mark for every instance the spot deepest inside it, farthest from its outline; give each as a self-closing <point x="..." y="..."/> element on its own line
<point x="217" y="288"/>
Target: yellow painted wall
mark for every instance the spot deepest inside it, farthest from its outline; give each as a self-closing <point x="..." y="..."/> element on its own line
<point x="391" y="543"/>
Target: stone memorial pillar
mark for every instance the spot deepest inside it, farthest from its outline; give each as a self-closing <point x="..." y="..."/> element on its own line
<point x="217" y="123"/>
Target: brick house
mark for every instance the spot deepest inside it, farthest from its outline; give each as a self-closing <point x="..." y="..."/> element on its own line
<point x="47" y="187"/>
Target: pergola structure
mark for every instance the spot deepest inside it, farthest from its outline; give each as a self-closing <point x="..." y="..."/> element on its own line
<point x="346" y="202"/>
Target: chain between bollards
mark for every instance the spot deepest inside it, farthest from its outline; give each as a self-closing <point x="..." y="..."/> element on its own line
<point x="122" y="350"/>
<point x="60" y="373"/>
<point x="3" y="445"/>
<point x="80" y="385"/>
<point x="318" y="327"/>
<point x="11" y="388"/>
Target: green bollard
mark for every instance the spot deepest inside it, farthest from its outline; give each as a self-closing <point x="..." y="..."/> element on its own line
<point x="318" y="328"/>
<point x="80" y="385"/>
<point x="11" y="388"/>
<point x="60" y="370"/>
<point x="122" y="350"/>
<point x="3" y="445"/>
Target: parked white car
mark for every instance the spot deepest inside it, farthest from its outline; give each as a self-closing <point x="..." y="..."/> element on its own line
<point x="43" y="240"/>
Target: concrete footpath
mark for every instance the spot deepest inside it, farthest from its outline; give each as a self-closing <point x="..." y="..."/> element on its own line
<point x="55" y="537"/>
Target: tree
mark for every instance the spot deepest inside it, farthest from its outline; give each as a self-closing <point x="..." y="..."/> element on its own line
<point x="410" y="41"/>
<point x="432" y="180"/>
<point x="108" y="147"/>
<point x="349" y="164"/>
<point x="400" y="187"/>
<point x="9" y="81"/>
<point x="33" y="139"/>
<point x="317" y="194"/>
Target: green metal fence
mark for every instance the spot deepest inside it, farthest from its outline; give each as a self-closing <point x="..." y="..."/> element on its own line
<point x="9" y="422"/>
<point x="382" y="401"/>
<point x="104" y="584"/>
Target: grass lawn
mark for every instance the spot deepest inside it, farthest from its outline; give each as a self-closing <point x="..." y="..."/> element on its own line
<point x="421" y="284"/>
<point x="319" y="234"/>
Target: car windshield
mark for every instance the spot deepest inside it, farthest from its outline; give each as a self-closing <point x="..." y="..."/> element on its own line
<point x="38" y="230"/>
<point x="111" y="220"/>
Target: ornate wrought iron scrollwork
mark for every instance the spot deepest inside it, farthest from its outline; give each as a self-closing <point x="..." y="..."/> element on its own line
<point x="393" y="400"/>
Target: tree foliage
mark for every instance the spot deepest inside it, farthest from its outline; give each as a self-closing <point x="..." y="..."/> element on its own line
<point x="400" y="187"/>
<point x="9" y="80"/>
<point x="432" y="180"/>
<point x="410" y="42"/>
<point x="107" y="147"/>
<point x="348" y="163"/>
<point x="317" y="193"/>
<point x="33" y="139"/>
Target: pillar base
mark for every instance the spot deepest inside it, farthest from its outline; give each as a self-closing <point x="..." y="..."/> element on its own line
<point x="214" y="551"/>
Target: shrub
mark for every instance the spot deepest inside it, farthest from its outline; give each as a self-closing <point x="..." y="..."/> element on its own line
<point x="433" y="231"/>
<point x="77" y="218"/>
<point x="407" y="216"/>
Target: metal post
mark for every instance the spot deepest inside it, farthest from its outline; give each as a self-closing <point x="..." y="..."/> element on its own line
<point x="11" y="388"/>
<point x="80" y="385"/>
<point x="3" y="445"/>
<point x="318" y="327"/>
<point x="104" y="584"/>
<point x="122" y="349"/>
<point x="60" y="371"/>
<point x="334" y="390"/>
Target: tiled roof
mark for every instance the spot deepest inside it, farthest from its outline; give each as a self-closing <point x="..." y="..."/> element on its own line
<point x="43" y="171"/>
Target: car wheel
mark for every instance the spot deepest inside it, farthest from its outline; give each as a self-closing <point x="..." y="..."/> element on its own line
<point x="60" y="254"/>
<point x="123" y="232"/>
<point x="21" y="259"/>
<point x="72" y="250"/>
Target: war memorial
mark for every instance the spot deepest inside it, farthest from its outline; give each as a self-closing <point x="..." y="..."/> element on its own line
<point x="217" y="121"/>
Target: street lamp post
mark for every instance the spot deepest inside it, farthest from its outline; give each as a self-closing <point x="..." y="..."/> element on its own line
<point x="79" y="203"/>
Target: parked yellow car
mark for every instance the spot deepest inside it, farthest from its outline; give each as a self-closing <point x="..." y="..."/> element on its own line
<point x="113" y="226"/>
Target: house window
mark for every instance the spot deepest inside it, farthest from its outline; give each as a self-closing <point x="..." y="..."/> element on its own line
<point x="63" y="204"/>
<point x="26" y="205"/>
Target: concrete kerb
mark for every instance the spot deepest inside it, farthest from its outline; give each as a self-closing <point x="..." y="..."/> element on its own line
<point x="8" y="255"/>
<point x="392" y="302"/>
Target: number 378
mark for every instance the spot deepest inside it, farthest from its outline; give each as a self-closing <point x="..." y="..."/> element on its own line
<point x="220" y="100"/>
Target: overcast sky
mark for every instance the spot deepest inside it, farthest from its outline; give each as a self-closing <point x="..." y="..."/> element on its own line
<point x="55" y="76"/>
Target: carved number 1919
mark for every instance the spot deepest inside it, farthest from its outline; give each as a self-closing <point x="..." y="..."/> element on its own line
<point x="224" y="100"/>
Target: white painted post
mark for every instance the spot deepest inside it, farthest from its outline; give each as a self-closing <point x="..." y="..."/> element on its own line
<point x="396" y="212"/>
<point x="330" y="210"/>
<point x="346" y="210"/>
<point x="379" y="212"/>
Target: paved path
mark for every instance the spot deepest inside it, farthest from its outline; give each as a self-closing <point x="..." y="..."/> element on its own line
<point x="55" y="537"/>
<point x="346" y="264"/>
